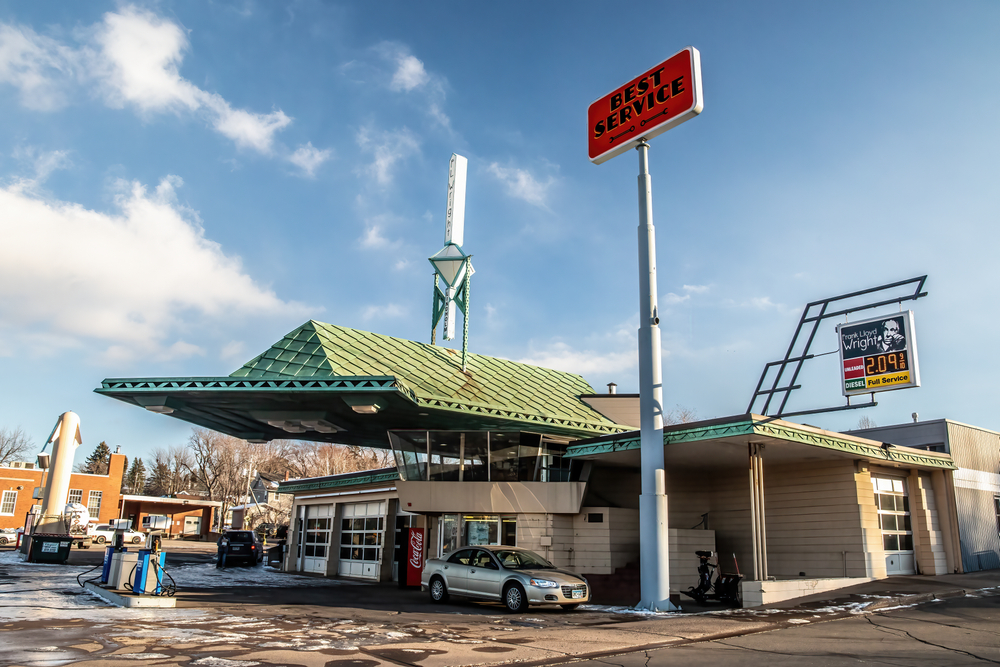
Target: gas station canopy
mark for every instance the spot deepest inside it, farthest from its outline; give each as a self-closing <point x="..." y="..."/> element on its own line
<point x="327" y="383"/>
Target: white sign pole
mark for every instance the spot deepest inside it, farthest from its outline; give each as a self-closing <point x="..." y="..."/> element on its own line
<point x="454" y="225"/>
<point x="654" y="547"/>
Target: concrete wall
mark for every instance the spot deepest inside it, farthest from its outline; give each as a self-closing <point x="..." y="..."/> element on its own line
<point x="491" y="497"/>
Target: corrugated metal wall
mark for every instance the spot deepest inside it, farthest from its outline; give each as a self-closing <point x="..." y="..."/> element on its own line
<point x="977" y="454"/>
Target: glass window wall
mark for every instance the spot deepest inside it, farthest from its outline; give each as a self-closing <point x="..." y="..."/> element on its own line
<point x="410" y="450"/>
<point x="481" y="456"/>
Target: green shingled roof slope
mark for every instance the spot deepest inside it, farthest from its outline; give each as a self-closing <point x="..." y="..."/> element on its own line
<point x="316" y="349"/>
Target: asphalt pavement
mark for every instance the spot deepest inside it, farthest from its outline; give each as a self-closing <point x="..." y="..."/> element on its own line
<point x="247" y="616"/>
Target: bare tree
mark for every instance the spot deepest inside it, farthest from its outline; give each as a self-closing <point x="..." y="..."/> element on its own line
<point x="866" y="422"/>
<point x="170" y="471"/>
<point x="680" y="415"/>
<point x="308" y="459"/>
<point x="14" y="444"/>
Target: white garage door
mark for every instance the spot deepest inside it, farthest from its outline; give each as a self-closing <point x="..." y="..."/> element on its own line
<point x="362" y="532"/>
<point x="316" y="538"/>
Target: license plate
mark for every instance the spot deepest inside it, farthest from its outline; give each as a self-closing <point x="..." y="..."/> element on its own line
<point x="235" y="548"/>
<point x="577" y="595"/>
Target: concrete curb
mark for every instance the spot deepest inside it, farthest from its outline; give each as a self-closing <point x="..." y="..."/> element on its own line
<point x="917" y="598"/>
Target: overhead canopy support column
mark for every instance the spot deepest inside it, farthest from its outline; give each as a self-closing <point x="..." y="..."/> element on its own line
<point x="758" y="527"/>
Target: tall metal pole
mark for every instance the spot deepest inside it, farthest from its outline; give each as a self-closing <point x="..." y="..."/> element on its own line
<point x="654" y="548"/>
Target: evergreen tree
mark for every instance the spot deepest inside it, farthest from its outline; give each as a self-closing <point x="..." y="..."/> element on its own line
<point x="158" y="482"/>
<point x="98" y="462"/>
<point x="135" y="480"/>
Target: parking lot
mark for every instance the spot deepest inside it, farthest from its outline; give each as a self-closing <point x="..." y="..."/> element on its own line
<point x="241" y="616"/>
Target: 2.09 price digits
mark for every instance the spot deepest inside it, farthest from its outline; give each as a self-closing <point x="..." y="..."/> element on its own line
<point x="891" y="362"/>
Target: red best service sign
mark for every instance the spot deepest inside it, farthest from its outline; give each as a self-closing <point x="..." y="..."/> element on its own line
<point x="648" y="105"/>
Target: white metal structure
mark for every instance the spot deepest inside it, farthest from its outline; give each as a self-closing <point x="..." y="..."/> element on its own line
<point x="654" y="545"/>
<point x="66" y="438"/>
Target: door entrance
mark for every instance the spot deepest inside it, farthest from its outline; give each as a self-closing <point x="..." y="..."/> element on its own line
<point x="893" y="504"/>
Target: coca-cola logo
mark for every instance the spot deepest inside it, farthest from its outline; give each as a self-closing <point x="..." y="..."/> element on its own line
<point x="416" y="549"/>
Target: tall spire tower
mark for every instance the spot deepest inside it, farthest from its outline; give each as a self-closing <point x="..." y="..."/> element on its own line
<point x="451" y="265"/>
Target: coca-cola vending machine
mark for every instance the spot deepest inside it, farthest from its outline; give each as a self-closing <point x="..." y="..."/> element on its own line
<point x="414" y="555"/>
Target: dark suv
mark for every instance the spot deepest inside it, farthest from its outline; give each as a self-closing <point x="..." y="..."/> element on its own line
<point x="238" y="547"/>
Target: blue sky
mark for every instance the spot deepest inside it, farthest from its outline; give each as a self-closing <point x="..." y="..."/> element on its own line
<point x="183" y="183"/>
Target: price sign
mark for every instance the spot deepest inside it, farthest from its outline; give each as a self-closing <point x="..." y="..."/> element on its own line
<point x="879" y="354"/>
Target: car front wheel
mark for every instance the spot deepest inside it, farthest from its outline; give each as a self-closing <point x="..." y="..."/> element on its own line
<point x="514" y="599"/>
<point x="100" y="539"/>
<point x="3" y="541"/>
<point x="136" y="539"/>
<point x="439" y="592"/>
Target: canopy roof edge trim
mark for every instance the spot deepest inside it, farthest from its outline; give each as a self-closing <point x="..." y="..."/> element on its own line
<point x="750" y="425"/>
<point x="344" y="383"/>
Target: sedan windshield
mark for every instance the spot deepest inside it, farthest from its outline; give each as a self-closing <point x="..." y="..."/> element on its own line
<point x="522" y="560"/>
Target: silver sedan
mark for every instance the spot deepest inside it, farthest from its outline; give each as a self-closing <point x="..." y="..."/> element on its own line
<point x="516" y="577"/>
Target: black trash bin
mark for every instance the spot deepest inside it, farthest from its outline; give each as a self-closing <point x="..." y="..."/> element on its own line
<point x="50" y="548"/>
<point x="275" y="554"/>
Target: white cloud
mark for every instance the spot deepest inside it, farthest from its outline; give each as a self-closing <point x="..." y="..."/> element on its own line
<point x="134" y="59"/>
<point x="672" y="299"/>
<point x="410" y="74"/>
<point x="42" y="163"/>
<point x="387" y="149"/>
<point x="521" y="184"/>
<point x="373" y="238"/>
<point x="411" y="77"/>
<point x="386" y="312"/>
<point x="131" y="281"/>
<point x="138" y="62"/>
<point x="246" y="129"/>
<point x="308" y="158"/>
<point x="763" y="303"/>
<point x="39" y="67"/>
<point x="560" y="356"/>
<point x="696" y="289"/>
<point x="234" y="349"/>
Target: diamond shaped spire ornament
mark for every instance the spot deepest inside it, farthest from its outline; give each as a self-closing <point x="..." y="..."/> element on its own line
<point x="450" y="263"/>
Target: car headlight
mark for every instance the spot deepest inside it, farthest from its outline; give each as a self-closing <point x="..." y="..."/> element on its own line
<point x="543" y="583"/>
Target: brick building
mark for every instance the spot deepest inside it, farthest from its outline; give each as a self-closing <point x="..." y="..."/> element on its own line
<point x="100" y="493"/>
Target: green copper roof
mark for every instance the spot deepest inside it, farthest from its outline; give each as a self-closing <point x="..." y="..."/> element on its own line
<point x="433" y="373"/>
<point x="307" y="385"/>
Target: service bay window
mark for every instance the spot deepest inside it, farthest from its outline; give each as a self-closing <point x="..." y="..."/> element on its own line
<point x="317" y="537"/>
<point x="75" y="496"/>
<point x="893" y="513"/>
<point x="8" y="503"/>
